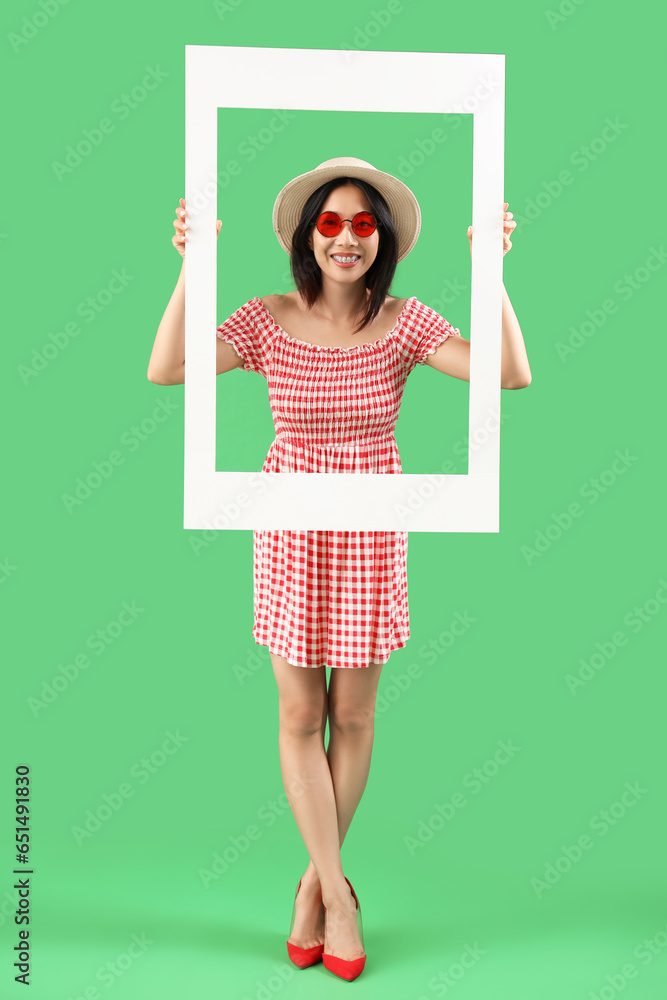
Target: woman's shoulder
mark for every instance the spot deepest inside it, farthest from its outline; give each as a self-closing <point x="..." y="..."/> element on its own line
<point x="276" y="309"/>
<point x="395" y="305"/>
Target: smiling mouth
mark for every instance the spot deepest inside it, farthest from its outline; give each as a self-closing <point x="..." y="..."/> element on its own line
<point x="345" y="260"/>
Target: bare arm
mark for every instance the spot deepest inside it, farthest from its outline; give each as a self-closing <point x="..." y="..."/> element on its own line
<point x="515" y="369"/>
<point x="453" y="355"/>
<point x="167" y="361"/>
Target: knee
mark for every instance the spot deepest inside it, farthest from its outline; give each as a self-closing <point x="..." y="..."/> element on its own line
<point x="301" y="720"/>
<point x="352" y="718"/>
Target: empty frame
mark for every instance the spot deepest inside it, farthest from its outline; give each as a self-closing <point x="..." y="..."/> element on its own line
<point x="426" y="82"/>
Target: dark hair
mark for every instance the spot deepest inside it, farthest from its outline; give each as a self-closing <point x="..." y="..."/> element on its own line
<point x="307" y="273"/>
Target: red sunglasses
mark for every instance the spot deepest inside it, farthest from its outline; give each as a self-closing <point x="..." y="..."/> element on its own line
<point x="330" y="224"/>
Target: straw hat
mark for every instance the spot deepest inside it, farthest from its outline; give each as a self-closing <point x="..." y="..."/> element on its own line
<point x="403" y="205"/>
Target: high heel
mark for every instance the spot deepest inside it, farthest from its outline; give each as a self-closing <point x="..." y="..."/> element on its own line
<point x="302" y="957"/>
<point x="347" y="968"/>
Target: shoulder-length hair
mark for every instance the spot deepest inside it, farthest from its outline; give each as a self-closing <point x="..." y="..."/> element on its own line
<point x="307" y="273"/>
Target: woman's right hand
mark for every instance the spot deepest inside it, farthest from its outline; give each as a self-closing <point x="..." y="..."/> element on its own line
<point x="181" y="226"/>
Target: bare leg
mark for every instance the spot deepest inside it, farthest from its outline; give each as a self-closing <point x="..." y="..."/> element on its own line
<point x="330" y="787"/>
<point x="309" y="789"/>
<point x="352" y="696"/>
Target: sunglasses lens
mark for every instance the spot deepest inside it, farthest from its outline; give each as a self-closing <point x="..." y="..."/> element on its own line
<point x="363" y="224"/>
<point x="329" y="224"/>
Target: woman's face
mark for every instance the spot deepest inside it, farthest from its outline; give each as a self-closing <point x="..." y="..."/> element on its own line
<point x="347" y="201"/>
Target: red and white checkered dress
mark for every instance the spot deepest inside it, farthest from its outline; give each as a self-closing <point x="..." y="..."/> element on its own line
<point x="333" y="598"/>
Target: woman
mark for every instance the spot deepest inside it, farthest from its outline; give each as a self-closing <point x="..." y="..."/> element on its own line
<point x="327" y="598"/>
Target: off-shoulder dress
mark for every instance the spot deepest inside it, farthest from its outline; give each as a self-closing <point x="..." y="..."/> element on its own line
<point x="333" y="598"/>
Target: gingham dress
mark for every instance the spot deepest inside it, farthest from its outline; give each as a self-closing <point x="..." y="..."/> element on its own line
<point x="332" y="598"/>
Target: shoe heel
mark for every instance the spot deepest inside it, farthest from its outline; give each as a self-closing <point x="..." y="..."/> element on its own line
<point x="359" y="921"/>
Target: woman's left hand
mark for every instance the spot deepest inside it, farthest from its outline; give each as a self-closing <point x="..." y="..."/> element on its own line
<point x="508" y="226"/>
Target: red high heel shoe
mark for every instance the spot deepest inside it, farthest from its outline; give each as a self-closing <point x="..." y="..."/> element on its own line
<point x="302" y="957"/>
<point x="342" y="967"/>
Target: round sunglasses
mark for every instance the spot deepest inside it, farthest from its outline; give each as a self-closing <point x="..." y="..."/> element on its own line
<point x="330" y="224"/>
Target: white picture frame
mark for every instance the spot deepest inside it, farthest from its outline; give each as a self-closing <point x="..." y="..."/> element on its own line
<point x="423" y="82"/>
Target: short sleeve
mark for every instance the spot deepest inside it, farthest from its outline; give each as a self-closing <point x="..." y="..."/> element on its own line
<point x="427" y="330"/>
<point x="250" y="336"/>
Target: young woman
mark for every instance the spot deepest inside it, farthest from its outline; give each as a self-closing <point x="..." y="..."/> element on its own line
<point x="328" y="598"/>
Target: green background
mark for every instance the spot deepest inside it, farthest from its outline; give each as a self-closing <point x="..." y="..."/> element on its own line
<point x="186" y="663"/>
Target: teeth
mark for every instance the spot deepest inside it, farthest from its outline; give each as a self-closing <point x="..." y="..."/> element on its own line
<point x="345" y="260"/>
